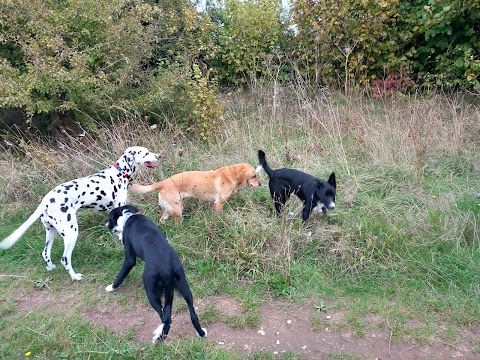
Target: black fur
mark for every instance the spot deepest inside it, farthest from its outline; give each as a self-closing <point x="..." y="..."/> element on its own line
<point x="316" y="194"/>
<point x="163" y="272"/>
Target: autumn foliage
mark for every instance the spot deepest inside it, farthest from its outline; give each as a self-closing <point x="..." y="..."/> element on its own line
<point x="81" y="61"/>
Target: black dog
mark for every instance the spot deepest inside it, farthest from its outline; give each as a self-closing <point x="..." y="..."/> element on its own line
<point x="316" y="194"/>
<point x="163" y="272"/>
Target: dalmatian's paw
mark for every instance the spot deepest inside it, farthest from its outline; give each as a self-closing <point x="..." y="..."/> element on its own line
<point x="77" y="276"/>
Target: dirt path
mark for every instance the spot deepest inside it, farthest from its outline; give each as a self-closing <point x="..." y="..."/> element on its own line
<point x="283" y="327"/>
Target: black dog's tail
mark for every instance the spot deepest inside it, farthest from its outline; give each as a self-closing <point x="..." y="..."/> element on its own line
<point x="263" y="163"/>
<point x="184" y="290"/>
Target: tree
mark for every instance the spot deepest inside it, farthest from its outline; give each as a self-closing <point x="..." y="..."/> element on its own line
<point x="346" y="40"/>
<point x="443" y="41"/>
<point x="72" y="57"/>
<point x="247" y="36"/>
<point x="432" y="42"/>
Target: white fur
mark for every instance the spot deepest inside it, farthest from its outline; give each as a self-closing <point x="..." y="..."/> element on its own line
<point x="13" y="237"/>
<point x="156" y="334"/>
<point x="167" y="209"/>
<point x="110" y="288"/>
<point x="58" y="208"/>
<point x="206" y="333"/>
<point x="318" y="208"/>
<point x="118" y="229"/>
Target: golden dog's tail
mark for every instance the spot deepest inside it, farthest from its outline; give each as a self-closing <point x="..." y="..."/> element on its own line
<point x="143" y="189"/>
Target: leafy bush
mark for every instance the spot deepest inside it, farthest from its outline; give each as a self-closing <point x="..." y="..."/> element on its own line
<point x="434" y="43"/>
<point x="71" y="55"/>
<point x="247" y="35"/>
<point x="75" y="60"/>
<point x="80" y="61"/>
<point x="443" y="41"/>
<point x="348" y="40"/>
<point x="199" y="105"/>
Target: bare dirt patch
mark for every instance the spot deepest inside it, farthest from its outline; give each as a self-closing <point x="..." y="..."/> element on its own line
<point x="284" y="327"/>
<point x="287" y="328"/>
<point x="44" y="299"/>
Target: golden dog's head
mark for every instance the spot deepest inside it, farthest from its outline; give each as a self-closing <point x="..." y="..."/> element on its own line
<point x="250" y="175"/>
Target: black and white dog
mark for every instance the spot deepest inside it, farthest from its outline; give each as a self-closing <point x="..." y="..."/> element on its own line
<point x="162" y="273"/>
<point x="102" y="191"/>
<point x="317" y="195"/>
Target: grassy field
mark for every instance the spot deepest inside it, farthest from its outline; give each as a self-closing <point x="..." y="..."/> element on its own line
<point x="403" y="242"/>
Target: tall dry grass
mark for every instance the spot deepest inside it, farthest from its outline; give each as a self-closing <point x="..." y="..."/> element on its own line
<point x="403" y="242"/>
<point x="381" y="150"/>
<point x="324" y="129"/>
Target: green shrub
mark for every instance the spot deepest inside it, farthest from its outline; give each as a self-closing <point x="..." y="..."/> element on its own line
<point x="433" y="43"/>
<point x="247" y="38"/>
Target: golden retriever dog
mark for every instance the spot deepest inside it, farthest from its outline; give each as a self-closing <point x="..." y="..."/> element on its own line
<point x="215" y="186"/>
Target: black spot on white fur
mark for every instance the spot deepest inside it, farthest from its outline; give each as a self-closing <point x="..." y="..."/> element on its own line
<point x="66" y="199"/>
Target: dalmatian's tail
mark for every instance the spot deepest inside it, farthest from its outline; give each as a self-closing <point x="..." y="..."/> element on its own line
<point x="17" y="234"/>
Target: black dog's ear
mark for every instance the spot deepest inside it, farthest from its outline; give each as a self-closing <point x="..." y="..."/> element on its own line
<point x="130" y="208"/>
<point x="112" y="219"/>
<point x="332" y="181"/>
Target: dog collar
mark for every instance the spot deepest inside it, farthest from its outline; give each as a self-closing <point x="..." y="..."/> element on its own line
<point x="126" y="216"/>
<point x="125" y="175"/>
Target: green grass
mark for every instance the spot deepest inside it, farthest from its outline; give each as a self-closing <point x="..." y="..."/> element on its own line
<point x="71" y="337"/>
<point x="403" y="243"/>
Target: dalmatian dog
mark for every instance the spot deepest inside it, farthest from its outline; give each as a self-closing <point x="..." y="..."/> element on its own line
<point x="102" y="191"/>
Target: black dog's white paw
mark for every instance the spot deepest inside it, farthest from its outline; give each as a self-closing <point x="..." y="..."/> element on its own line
<point x="110" y="288"/>
<point x="204" y="336"/>
<point x="158" y="335"/>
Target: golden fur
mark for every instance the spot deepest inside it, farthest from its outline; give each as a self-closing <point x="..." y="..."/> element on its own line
<point x="215" y="186"/>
